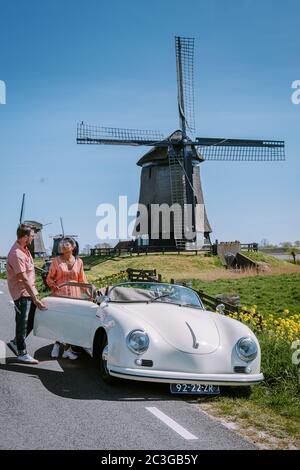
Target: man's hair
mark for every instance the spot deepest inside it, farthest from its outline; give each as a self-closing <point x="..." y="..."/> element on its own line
<point x="23" y="230"/>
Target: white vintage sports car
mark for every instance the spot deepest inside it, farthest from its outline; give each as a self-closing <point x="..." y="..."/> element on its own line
<point x="154" y="332"/>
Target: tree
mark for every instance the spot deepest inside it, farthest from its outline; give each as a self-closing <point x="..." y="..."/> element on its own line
<point x="87" y="250"/>
<point x="103" y="245"/>
<point x="286" y="244"/>
<point x="264" y="242"/>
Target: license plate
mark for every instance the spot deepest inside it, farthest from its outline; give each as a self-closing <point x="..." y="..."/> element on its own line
<point x="195" y="389"/>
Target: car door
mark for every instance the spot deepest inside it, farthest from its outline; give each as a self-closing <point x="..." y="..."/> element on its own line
<point x="66" y="320"/>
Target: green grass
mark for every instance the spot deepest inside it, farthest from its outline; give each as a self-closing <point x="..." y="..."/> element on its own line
<point x="274" y="405"/>
<point x="257" y="422"/>
<point x="264" y="258"/>
<point x="281" y="388"/>
<point x="42" y="289"/>
<point x="271" y="294"/>
<point x="176" y="266"/>
<point x="179" y="267"/>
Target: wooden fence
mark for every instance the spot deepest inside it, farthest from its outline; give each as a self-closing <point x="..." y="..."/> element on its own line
<point x="145" y="250"/>
<point x="143" y="275"/>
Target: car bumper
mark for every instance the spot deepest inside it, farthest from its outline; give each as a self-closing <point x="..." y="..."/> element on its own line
<point x="181" y="377"/>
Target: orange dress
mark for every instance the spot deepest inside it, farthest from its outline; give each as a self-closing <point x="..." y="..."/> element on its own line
<point x="59" y="273"/>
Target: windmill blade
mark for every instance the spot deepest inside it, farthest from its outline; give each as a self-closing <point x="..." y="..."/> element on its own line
<point x="87" y="134"/>
<point x="62" y="227"/>
<point x="241" y="149"/>
<point x="182" y="194"/>
<point x="22" y="209"/>
<point x="185" y="82"/>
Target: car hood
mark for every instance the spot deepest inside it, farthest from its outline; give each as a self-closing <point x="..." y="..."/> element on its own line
<point x="189" y="330"/>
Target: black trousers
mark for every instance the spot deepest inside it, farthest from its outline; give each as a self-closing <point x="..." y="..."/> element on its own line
<point x="25" y="310"/>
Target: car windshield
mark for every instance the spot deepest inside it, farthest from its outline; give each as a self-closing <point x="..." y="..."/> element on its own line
<point x="133" y="292"/>
<point x="75" y="290"/>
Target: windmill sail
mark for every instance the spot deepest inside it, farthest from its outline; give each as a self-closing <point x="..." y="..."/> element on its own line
<point x="22" y="209"/>
<point x="62" y="227"/>
<point x="185" y="82"/>
<point x="87" y="134"/>
<point x="241" y="149"/>
<point x="180" y="159"/>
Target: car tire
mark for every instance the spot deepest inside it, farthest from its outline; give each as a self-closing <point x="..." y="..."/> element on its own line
<point x="104" y="372"/>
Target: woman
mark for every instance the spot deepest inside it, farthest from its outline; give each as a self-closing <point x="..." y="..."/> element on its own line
<point x="67" y="267"/>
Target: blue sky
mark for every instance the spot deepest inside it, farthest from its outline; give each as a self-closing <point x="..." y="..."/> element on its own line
<point x="113" y="64"/>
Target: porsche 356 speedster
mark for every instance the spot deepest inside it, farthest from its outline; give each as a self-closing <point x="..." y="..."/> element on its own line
<point x="154" y="332"/>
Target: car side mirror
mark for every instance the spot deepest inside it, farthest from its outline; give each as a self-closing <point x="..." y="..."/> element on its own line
<point x="220" y="309"/>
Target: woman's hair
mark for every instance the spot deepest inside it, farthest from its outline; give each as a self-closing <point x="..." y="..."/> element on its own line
<point x="72" y="242"/>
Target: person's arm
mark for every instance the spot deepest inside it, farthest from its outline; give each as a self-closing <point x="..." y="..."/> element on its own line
<point x="82" y="278"/>
<point x="28" y="286"/>
<point x="81" y="274"/>
<point x="51" y="278"/>
<point x="19" y="266"/>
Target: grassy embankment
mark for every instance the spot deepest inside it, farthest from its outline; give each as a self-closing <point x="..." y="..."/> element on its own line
<point x="179" y="267"/>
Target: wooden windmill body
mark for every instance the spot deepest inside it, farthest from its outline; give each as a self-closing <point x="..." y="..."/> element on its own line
<point x="156" y="189"/>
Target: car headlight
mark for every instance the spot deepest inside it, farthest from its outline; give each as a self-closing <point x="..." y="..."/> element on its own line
<point x="137" y="341"/>
<point x="246" y="349"/>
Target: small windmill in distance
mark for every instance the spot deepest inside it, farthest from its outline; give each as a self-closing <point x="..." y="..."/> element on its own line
<point x="37" y="247"/>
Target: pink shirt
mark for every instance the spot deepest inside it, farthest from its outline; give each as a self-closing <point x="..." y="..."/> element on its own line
<point x="19" y="260"/>
<point x="59" y="273"/>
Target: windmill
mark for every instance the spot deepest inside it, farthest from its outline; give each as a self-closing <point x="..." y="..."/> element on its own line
<point x="170" y="170"/>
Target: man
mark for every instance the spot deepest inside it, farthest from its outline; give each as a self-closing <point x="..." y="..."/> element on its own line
<point x="294" y="256"/>
<point x="21" y="285"/>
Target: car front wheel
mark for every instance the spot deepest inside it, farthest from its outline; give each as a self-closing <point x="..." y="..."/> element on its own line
<point x="104" y="372"/>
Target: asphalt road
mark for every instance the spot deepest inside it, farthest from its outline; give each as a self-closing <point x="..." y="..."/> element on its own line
<point x="63" y="404"/>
